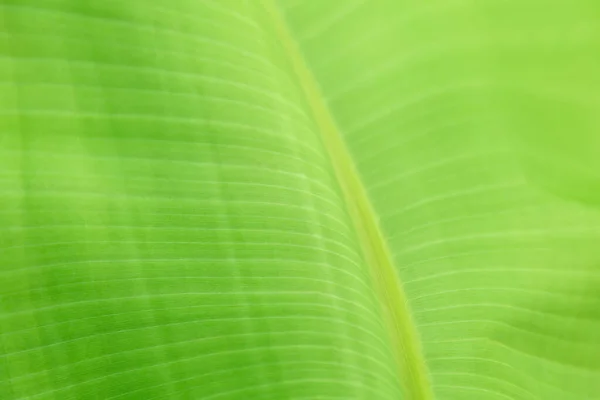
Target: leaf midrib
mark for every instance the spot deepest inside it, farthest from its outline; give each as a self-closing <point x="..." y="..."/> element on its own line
<point x="410" y="362"/>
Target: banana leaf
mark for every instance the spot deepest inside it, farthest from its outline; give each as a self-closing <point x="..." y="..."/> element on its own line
<point x="299" y="199"/>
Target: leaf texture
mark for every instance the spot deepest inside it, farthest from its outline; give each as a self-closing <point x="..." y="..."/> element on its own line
<point x="473" y="126"/>
<point x="403" y="336"/>
<point x="175" y="223"/>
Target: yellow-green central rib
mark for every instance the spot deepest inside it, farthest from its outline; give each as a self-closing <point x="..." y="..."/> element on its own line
<point x="406" y="344"/>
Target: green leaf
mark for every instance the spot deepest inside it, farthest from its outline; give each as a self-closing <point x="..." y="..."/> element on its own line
<point x="336" y="199"/>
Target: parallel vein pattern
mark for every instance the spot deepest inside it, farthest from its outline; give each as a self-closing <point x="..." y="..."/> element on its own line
<point x="170" y="225"/>
<point x="474" y="125"/>
<point x="404" y="339"/>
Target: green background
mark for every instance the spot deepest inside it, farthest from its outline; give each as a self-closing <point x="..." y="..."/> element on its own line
<point x="171" y="226"/>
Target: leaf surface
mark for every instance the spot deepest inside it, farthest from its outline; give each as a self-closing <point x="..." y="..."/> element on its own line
<point x="299" y="200"/>
<point x="473" y="126"/>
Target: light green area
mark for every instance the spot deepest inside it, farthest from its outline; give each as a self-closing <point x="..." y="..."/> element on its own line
<point x="180" y="218"/>
<point x="403" y="337"/>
